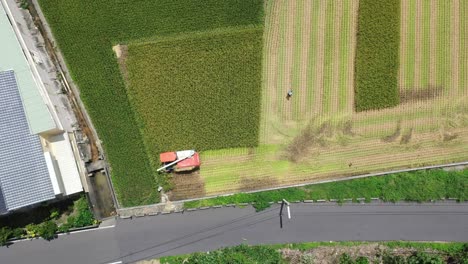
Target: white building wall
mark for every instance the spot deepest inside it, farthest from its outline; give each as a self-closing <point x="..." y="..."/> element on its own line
<point x="60" y="147"/>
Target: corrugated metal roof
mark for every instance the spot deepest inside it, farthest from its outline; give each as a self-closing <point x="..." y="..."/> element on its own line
<point x="13" y="58"/>
<point x="24" y="178"/>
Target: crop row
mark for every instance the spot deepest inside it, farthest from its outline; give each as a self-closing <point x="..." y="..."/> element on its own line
<point x="85" y="32"/>
<point x="377" y="54"/>
<point x="198" y="91"/>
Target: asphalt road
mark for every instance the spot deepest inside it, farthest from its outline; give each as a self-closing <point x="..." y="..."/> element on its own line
<point x="150" y="237"/>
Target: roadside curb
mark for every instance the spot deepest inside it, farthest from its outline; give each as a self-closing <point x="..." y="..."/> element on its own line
<point x="71" y="231"/>
<point x="319" y="202"/>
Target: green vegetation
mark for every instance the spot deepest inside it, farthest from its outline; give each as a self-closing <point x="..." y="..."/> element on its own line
<point x="86" y="31"/>
<point x="419" y="186"/>
<point x="198" y="91"/>
<point x="239" y="254"/>
<point x="406" y="253"/>
<point x="377" y="54"/>
<point x="47" y="225"/>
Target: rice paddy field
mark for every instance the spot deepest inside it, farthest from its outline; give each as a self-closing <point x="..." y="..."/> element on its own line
<point x="308" y="47"/>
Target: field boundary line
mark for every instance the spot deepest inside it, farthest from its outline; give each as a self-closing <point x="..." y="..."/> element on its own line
<point x="455" y="42"/>
<point x="433" y="44"/>
<point x="336" y="57"/>
<point x="418" y="46"/>
<point x="441" y="166"/>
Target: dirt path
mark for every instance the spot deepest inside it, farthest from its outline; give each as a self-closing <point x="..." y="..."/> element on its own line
<point x="433" y="45"/>
<point x="318" y="85"/>
<point x="351" y="57"/>
<point x="455" y="42"/>
<point x="418" y="45"/>
<point x="335" y="92"/>
<point x="403" y="43"/>
<point x="306" y="31"/>
<point x="288" y="62"/>
<point x="270" y="100"/>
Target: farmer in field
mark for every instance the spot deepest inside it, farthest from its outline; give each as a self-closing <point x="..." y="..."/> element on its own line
<point x="289" y="94"/>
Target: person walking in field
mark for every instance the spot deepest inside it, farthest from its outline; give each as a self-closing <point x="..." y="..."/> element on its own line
<point x="289" y="94"/>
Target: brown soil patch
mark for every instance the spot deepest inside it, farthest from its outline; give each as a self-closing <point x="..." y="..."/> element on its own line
<point x="455" y="49"/>
<point x="186" y="186"/>
<point x="406" y="137"/>
<point x="121" y="52"/>
<point x="403" y="42"/>
<point x="392" y="137"/>
<point x="423" y="94"/>
<point x="336" y="56"/>
<point x="249" y="183"/>
<point x="432" y="43"/>
<point x="288" y="62"/>
<point x="306" y="31"/>
<point x="318" y="85"/>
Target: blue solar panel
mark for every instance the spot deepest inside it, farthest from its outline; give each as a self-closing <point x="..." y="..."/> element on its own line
<point x="24" y="177"/>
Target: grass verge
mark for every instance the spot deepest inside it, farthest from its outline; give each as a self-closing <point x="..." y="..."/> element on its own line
<point x="418" y="186"/>
<point x="338" y="252"/>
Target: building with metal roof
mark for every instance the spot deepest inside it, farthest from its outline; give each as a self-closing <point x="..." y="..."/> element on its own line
<point x="24" y="176"/>
<point x="13" y="58"/>
<point x="37" y="162"/>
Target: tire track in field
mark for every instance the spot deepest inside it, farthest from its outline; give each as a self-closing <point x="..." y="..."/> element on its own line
<point x="418" y="46"/>
<point x="403" y="43"/>
<point x="319" y="73"/>
<point x="335" y="91"/>
<point x="271" y="107"/>
<point x="433" y="44"/>
<point x="306" y="31"/>
<point x="288" y="62"/>
<point x="455" y="42"/>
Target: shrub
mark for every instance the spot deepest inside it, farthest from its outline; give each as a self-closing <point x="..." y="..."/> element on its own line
<point x="32" y="230"/>
<point x="84" y="216"/>
<point x="5" y="234"/>
<point x="47" y="230"/>
<point x="345" y="259"/>
<point x="424" y="258"/>
<point x="54" y="213"/>
<point x="64" y="228"/>
<point x="18" y="232"/>
<point x="377" y="54"/>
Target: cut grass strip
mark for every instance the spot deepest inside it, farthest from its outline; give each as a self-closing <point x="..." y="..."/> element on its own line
<point x="328" y="66"/>
<point x="345" y="52"/>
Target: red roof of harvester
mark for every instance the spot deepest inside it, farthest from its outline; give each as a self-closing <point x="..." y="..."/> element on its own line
<point x="167" y="156"/>
<point x="193" y="161"/>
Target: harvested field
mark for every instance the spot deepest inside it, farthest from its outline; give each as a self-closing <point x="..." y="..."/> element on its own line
<point x="433" y="125"/>
<point x="314" y="62"/>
